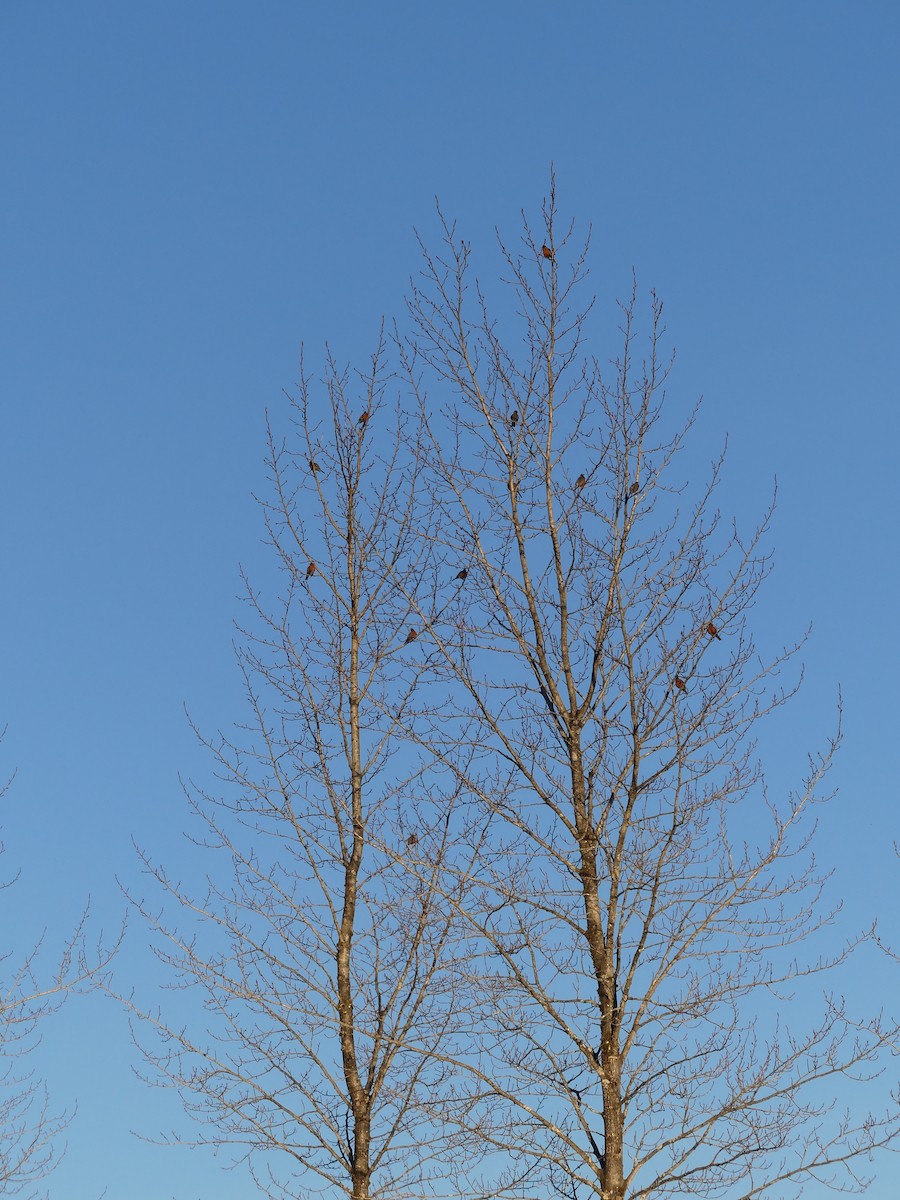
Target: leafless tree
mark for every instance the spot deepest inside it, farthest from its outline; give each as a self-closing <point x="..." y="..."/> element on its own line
<point x="654" y="909"/>
<point x="326" y="958"/>
<point x="30" y="1129"/>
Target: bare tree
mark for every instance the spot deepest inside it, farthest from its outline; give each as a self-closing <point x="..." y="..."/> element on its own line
<point x="325" y="960"/>
<point x="646" y="919"/>
<point x="30" y="1129"/>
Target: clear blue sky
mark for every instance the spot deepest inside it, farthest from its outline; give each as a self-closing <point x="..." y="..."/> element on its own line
<point x="191" y="189"/>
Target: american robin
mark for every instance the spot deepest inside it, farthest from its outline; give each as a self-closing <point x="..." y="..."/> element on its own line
<point x="680" y="684"/>
<point x="514" y="418"/>
<point x="713" y="632"/>
<point x="580" y="482"/>
<point x="314" y="466"/>
<point x="411" y="636"/>
<point x="547" y="252"/>
<point x="364" y="419"/>
<point x="310" y="570"/>
<point x="412" y="840"/>
<point x="463" y="575"/>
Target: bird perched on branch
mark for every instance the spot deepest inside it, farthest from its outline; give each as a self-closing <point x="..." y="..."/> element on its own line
<point x="634" y="489"/>
<point x="680" y="684"/>
<point x="314" y="466"/>
<point x="514" y="417"/>
<point x="411" y="636"/>
<point x="364" y="419"/>
<point x="463" y="575"/>
<point x="311" y="570"/>
<point x="547" y="252"/>
<point x="713" y="632"/>
<point x="412" y="840"/>
<point x="580" y="482"/>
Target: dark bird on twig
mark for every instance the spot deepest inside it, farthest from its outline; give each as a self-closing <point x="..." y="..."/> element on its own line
<point x="311" y="570"/>
<point x="412" y="840"/>
<point x="411" y="636"/>
<point x="580" y="482"/>
<point x="547" y="252"/>
<point x="514" y="417"/>
<point x="680" y="684"/>
<point x="463" y="575"/>
<point x="630" y="493"/>
<point x="314" y="466"/>
<point x="364" y="418"/>
<point x="713" y="632"/>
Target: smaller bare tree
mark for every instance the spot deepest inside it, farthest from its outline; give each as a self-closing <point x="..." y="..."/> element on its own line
<point x="30" y="1128"/>
<point x="325" y="959"/>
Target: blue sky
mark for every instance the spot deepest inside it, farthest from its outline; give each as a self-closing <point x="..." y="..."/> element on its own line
<point x="191" y="190"/>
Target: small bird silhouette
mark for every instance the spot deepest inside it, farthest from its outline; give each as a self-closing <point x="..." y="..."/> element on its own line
<point x="311" y="570"/>
<point x="314" y="466"/>
<point x="463" y="575"/>
<point x="713" y="632"/>
<point x="411" y="636"/>
<point x="680" y="684"/>
<point x="364" y="418"/>
<point x="412" y="840"/>
<point x="580" y="482"/>
<point x="634" y="489"/>
<point x="514" y="417"/>
<point x="547" y="252"/>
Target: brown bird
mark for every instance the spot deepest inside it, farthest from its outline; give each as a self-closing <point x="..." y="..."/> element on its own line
<point x="514" y="418"/>
<point x="680" y="684"/>
<point x="713" y="632"/>
<point x="412" y="840"/>
<point x="314" y="466"/>
<point x="547" y="252"/>
<point x="311" y="570"/>
<point x="634" y="489"/>
<point x="411" y="636"/>
<point x="463" y="575"/>
<point x="364" y="419"/>
<point x="580" y="482"/>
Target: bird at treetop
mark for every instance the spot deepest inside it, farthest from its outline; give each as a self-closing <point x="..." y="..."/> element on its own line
<point x="514" y="417"/>
<point x="314" y="466"/>
<point x="412" y="840"/>
<point x="363" y="420"/>
<point x="713" y="632"/>
<point x="580" y="482"/>
<point x="411" y="636"/>
<point x="311" y="570"/>
<point x="634" y="489"/>
<point x="547" y="252"/>
<point x="680" y="684"/>
<point x="463" y="575"/>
